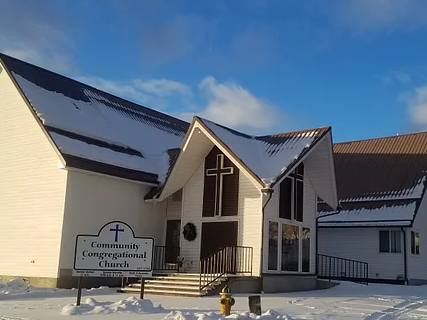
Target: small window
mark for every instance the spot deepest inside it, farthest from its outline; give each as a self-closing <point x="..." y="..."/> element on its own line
<point x="415" y="242"/>
<point x="395" y="241"/>
<point x="177" y="196"/>
<point x="384" y="241"/>
<point x="390" y="241"/>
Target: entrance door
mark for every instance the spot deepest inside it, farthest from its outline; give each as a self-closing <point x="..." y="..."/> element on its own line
<point x="217" y="235"/>
<point x="173" y="229"/>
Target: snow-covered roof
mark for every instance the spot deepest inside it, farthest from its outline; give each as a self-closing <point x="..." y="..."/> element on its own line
<point x="97" y="131"/>
<point x="374" y="176"/>
<point x="392" y="213"/>
<point x="90" y="124"/>
<point x="269" y="156"/>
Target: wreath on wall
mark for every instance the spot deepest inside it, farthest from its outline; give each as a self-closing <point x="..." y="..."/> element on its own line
<point x="189" y="232"/>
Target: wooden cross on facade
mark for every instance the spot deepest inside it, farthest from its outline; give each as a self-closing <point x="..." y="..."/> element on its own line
<point x="219" y="172"/>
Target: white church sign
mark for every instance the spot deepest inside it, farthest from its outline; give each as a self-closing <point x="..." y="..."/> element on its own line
<point x="113" y="252"/>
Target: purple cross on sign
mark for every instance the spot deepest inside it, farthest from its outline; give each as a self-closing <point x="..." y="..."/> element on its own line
<point x="117" y="230"/>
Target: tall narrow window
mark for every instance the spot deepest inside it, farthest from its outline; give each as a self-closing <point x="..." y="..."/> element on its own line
<point x="415" y="242"/>
<point x="290" y="248"/>
<point x="299" y="200"/>
<point x="285" y="205"/>
<point x="305" y="250"/>
<point x="273" y="234"/>
<point x="291" y="202"/>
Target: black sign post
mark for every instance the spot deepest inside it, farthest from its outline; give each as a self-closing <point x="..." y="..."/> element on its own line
<point x="141" y="294"/>
<point x="79" y="291"/>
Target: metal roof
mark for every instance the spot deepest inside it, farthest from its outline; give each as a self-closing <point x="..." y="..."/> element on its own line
<point x="374" y="176"/>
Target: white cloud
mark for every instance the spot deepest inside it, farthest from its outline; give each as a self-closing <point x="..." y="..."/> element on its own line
<point x="121" y="89"/>
<point x="363" y="16"/>
<point x="397" y="76"/>
<point x="232" y="105"/>
<point x="226" y="103"/>
<point x="416" y="102"/>
<point x="163" y="87"/>
<point x="158" y="94"/>
<point x="37" y="34"/>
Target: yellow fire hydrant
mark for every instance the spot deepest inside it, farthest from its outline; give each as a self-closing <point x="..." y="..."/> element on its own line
<point x="226" y="301"/>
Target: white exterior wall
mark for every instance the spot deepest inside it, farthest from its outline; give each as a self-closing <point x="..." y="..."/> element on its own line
<point x="417" y="264"/>
<point x="362" y="244"/>
<point x="192" y="198"/>
<point x="32" y="191"/>
<point x="92" y="200"/>
<point x="173" y="209"/>
<point x="249" y="218"/>
<point x="271" y="213"/>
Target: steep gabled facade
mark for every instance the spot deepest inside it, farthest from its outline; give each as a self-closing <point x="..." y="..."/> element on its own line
<point x="84" y="159"/>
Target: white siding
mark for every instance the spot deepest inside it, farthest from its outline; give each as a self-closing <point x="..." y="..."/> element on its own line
<point x="417" y="264"/>
<point x="173" y="209"/>
<point x="93" y="200"/>
<point x="271" y="213"/>
<point x="250" y="214"/>
<point x="362" y="244"/>
<point x="32" y="191"/>
<point x="192" y="212"/>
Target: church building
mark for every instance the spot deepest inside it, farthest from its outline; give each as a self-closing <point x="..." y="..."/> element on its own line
<point x="74" y="158"/>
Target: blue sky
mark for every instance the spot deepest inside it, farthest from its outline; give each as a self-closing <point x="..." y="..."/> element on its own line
<point x="260" y="66"/>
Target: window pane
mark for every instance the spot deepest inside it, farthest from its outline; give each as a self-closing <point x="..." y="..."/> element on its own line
<point x="395" y="241"/>
<point x="384" y="241"/>
<point x="300" y="169"/>
<point x="285" y="206"/>
<point x="290" y="247"/>
<point x="272" y="245"/>
<point x="305" y="250"/>
<point x="415" y="242"/>
<point x="299" y="200"/>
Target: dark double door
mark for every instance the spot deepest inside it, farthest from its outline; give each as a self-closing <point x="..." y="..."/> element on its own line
<point x="218" y="235"/>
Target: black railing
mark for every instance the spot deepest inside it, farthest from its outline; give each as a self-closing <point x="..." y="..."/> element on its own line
<point x="335" y="268"/>
<point x="165" y="258"/>
<point x="228" y="260"/>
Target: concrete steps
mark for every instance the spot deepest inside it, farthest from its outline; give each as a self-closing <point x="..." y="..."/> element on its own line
<point x="176" y="284"/>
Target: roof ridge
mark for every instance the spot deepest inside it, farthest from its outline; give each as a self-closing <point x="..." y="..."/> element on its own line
<point x="296" y="131"/>
<point x="90" y="87"/>
<point x="383" y="138"/>
<point x="234" y="131"/>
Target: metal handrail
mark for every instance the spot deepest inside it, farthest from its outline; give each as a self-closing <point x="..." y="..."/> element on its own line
<point x="166" y="258"/>
<point x="236" y="259"/>
<point x="330" y="267"/>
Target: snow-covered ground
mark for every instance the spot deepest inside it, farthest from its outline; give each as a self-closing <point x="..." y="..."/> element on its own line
<point x="346" y="301"/>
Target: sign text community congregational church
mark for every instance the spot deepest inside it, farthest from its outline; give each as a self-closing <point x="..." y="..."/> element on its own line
<point x="113" y="252"/>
